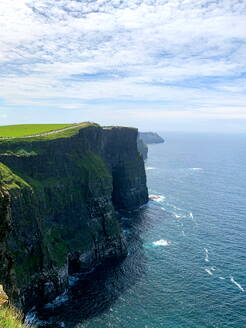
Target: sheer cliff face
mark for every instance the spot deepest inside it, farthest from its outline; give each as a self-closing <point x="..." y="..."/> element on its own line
<point x="58" y="202"/>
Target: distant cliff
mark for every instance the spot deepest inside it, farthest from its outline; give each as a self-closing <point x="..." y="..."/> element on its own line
<point x="145" y="139"/>
<point x="142" y="148"/>
<point x="59" y="199"/>
<point x="150" y="137"/>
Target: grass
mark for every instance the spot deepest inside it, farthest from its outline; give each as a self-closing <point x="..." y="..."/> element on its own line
<point x="39" y="134"/>
<point x="23" y="130"/>
<point x="11" y="318"/>
<point x="10" y="180"/>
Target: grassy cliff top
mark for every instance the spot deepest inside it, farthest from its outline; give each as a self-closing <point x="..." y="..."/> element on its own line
<point x="22" y="130"/>
<point x="40" y="132"/>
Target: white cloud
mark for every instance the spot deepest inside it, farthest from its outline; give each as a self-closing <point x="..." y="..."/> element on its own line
<point x="190" y="53"/>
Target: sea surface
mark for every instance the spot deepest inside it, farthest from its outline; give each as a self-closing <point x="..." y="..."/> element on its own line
<point x="186" y="266"/>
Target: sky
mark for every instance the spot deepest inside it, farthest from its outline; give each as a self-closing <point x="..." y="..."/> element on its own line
<point x="155" y="64"/>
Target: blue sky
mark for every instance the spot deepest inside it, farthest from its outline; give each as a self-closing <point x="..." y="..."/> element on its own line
<point x="163" y="64"/>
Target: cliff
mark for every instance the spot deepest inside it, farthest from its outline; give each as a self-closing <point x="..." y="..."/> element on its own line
<point x="142" y="148"/>
<point x="150" y="137"/>
<point x="59" y="198"/>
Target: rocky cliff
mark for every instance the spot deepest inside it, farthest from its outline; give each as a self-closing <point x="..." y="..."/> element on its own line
<point x="150" y="137"/>
<point x="142" y="148"/>
<point x="59" y="199"/>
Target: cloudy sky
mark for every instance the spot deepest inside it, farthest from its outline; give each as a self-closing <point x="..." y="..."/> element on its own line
<point x="155" y="64"/>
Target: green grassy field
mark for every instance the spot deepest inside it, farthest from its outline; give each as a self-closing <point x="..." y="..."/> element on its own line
<point x="60" y="131"/>
<point x="29" y="129"/>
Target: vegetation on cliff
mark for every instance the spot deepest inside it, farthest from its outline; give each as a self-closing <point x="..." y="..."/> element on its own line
<point x="59" y="194"/>
<point x="22" y="130"/>
<point x="11" y="318"/>
<point x="28" y="133"/>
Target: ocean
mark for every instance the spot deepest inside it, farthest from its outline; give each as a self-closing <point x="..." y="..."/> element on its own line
<point x="186" y="266"/>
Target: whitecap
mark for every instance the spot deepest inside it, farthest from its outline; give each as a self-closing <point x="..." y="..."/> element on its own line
<point x="195" y="168"/>
<point x="206" y="255"/>
<point x="237" y="284"/>
<point x="177" y="216"/>
<point x="148" y="168"/>
<point x="209" y="271"/>
<point x="59" y="300"/>
<point x="162" y="242"/>
<point x="221" y="278"/>
<point x="191" y="215"/>
<point x="157" y="198"/>
<point x="31" y="317"/>
<point x="183" y="233"/>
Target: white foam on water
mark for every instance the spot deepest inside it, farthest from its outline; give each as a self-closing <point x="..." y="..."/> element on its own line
<point x="157" y="198"/>
<point x="31" y="318"/>
<point x="206" y="255"/>
<point x="191" y="215"/>
<point x="162" y="242"/>
<point x="236" y="283"/>
<point x="209" y="271"/>
<point x="72" y="280"/>
<point x="148" y="168"/>
<point x="177" y="216"/>
<point x="183" y="233"/>
<point x="195" y="168"/>
<point x="221" y="278"/>
<point x="59" y="300"/>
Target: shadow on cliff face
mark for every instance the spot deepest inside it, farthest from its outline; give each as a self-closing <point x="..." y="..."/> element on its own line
<point x="95" y="294"/>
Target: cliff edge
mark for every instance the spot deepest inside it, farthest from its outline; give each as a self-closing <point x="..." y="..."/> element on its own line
<point x="59" y="198"/>
<point x="150" y="137"/>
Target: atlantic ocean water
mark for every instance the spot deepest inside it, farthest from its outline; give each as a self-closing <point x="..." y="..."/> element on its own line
<point x="186" y="266"/>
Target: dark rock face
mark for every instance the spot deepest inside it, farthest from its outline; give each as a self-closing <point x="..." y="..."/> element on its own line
<point x="5" y="227"/>
<point x="58" y="208"/>
<point x="150" y="137"/>
<point x="142" y="148"/>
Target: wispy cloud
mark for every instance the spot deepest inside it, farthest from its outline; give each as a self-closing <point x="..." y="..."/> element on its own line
<point x="187" y="54"/>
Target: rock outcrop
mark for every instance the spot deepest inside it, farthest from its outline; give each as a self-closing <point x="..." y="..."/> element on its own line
<point x="150" y="137"/>
<point x="58" y="207"/>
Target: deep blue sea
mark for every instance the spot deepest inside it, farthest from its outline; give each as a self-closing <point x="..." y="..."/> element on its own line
<point x="186" y="266"/>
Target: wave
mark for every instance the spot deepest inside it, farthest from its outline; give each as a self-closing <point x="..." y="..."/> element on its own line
<point x="178" y="216"/>
<point x="157" y="198"/>
<point x="209" y="271"/>
<point x="196" y="168"/>
<point x="148" y="168"/>
<point x="162" y="242"/>
<point x="72" y="280"/>
<point x="237" y="284"/>
<point x="206" y="255"/>
<point x="183" y="233"/>
<point x="59" y="300"/>
<point x="221" y="278"/>
<point x="191" y="215"/>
